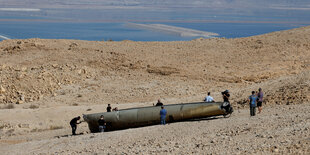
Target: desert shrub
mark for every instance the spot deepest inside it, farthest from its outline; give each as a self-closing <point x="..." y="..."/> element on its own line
<point x="37" y="130"/>
<point x="32" y="106"/>
<point x="75" y="104"/>
<point x="55" y="127"/>
<point x="9" y="106"/>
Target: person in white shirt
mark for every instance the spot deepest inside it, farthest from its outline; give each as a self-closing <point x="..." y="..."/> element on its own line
<point x="209" y="98"/>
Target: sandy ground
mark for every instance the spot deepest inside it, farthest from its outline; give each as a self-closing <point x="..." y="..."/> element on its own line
<point x="45" y="83"/>
<point x="280" y="129"/>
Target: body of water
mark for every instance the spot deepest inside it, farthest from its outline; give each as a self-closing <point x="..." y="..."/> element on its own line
<point x="112" y="24"/>
<point x="120" y="31"/>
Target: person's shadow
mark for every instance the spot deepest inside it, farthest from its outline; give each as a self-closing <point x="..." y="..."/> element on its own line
<point x="78" y="134"/>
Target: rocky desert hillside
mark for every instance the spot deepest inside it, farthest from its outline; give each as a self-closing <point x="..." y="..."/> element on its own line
<point x="122" y="72"/>
<point x="45" y="83"/>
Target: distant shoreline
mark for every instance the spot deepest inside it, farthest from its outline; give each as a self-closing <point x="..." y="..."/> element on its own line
<point x="153" y="21"/>
<point x="20" y="9"/>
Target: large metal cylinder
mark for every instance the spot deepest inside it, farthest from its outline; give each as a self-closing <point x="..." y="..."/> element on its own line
<point x="143" y="116"/>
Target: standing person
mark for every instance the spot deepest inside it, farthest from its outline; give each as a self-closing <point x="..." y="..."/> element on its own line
<point x="226" y="95"/>
<point x="159" y="103"/>
<point x="109" y="108"/>
<point x="253" y="99"/>
<point x="74" y="123"/>
<point x="101" y="123"/>
<point x="260" y="96"/>
<point x="226" y="105"/>
<point x="209" y="98"/>
<point x="163" y="113"/>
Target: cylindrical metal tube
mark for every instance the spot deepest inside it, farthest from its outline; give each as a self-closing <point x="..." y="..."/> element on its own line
<point x="138" y="117"/>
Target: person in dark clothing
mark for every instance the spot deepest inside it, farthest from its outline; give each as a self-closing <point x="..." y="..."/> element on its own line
<point x="226" y="96"/>
<point x="109" y="108"/>
<point x="260" y="96"/>
<point x="253" y="99"/>
<point x="159" y="103"/>
<point x="115" y="109"/>
<point x="74" y="123"/>
<point x="101" y="123"/>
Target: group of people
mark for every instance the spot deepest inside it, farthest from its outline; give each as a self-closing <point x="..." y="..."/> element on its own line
<point x="109" y="108"/>
<point x="226" y="105"/>
<point x="256" y="100"/>
<point x="225" y="95"/>
<point x="102" y="123"/>
<point x="75" y="121"/>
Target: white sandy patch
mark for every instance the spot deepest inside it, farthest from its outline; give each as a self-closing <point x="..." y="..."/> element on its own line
<point x="20" y="9"/>
<point x="180" y="31"/>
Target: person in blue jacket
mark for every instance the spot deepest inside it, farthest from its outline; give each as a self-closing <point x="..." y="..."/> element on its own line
<point x="253" y="99"/>
<point x="163" y="113"/>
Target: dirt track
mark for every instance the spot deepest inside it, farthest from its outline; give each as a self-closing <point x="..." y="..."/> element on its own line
<point x="281" y="129"/>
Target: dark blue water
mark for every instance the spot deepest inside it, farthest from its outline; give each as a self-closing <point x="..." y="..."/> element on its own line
<point x="120" y="31"/>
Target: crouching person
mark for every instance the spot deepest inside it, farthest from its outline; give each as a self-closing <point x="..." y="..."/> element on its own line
<point x="102" y="124"/>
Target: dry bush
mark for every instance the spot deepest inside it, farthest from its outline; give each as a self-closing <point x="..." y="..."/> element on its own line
<point x="32" y="106"/>
<point x="37" y="130"/>
<point x="55" y="127"/>
<point x="9" y="106"/>
<point x="75" y="104"/>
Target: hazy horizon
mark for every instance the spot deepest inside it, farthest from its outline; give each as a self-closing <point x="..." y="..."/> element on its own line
<point x="129" y="10"/>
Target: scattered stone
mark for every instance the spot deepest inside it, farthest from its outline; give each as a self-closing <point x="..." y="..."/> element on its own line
<point x="2" y="90"/>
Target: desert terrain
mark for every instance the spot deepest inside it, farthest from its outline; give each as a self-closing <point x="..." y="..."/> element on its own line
<point x="45" y="83"/>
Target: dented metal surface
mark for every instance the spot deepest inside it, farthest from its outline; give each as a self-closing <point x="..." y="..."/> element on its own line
<point x="143" y="116"/>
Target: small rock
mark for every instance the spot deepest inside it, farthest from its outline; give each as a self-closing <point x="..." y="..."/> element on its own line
<point x="22" y="98"/>
<point x="20" y="102"/>
<point x="23" y="69"/>
<point x="2" y="90"/>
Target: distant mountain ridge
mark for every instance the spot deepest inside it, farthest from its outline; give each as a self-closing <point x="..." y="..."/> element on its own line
<point x="156" y="3"/>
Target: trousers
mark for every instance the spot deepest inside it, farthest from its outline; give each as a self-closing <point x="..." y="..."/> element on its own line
<point x="252" y="111"/>
<point x="101" y="128"/>
<point x="163" y="120"/>
<point x="73" y="126"/>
